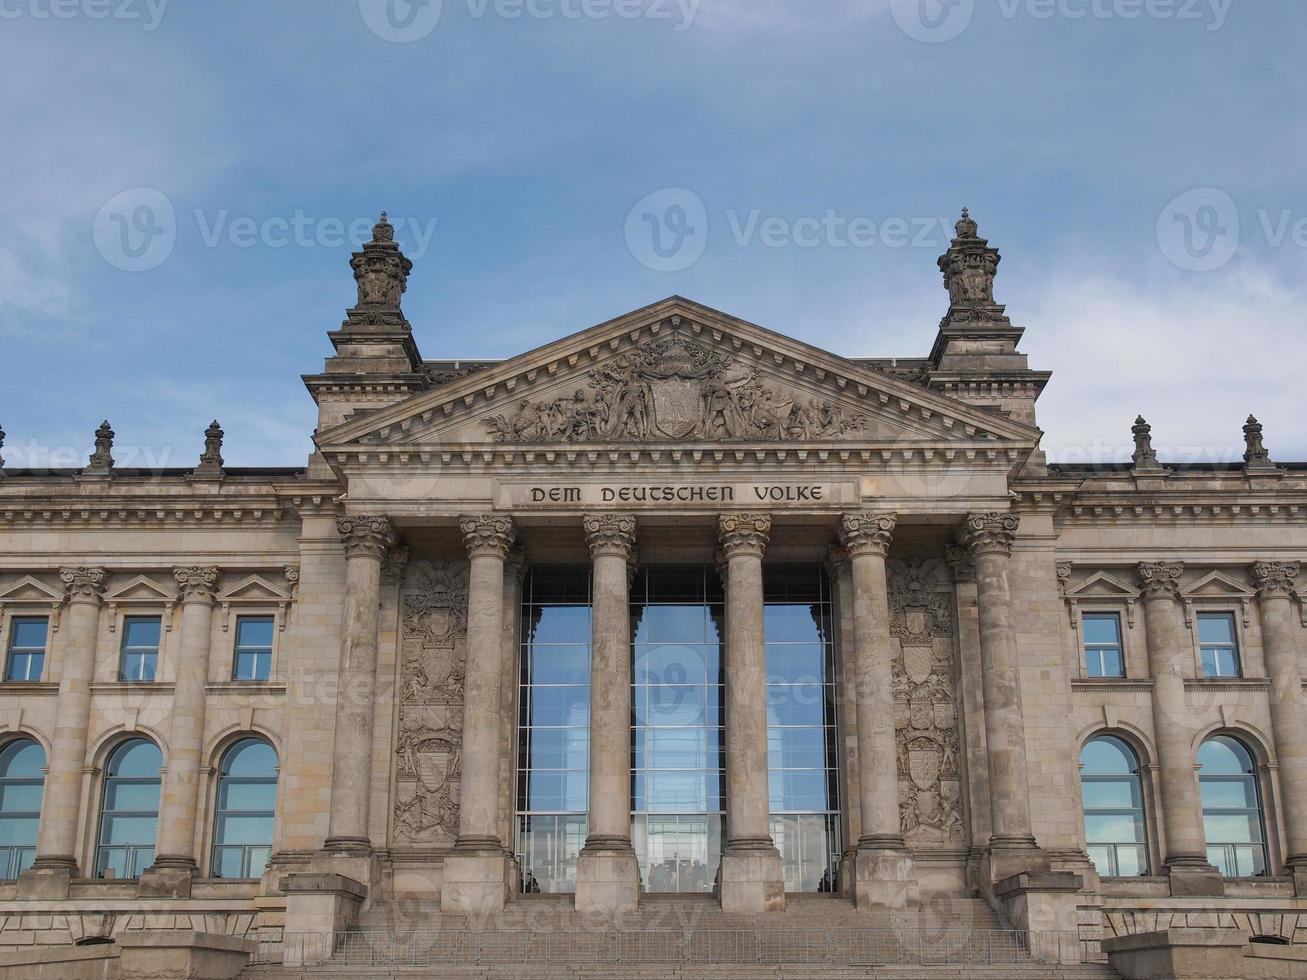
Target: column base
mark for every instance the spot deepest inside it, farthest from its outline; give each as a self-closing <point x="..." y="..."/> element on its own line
<point x="1011" y="856"/>
<point x="167" y="878"/>
<point x="607" y="879"/>
<point x="479" y="879"/>
<point x="885" y="876"/>
<point x="1194" y="878"/>
<point x="50" y="878"/>
<point x="751" y="879"/>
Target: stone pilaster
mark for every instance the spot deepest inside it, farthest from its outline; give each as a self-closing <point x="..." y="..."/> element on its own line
<point x="1182" y="814"/>
<point x="988" y="539"/>
<point x="478" y="875"/>
<point x="515" y="568"/>
<point x="1282" y="642"/>
<point x="751" y="877"/>
<point x="56" y="846"/>
<point x="175" y="863"/>
<point x="367" y="541"/>
<point x="607" y="875"/>
<point x="884" y="871"/>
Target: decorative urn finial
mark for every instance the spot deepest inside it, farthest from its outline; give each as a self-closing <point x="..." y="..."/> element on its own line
<point x="969" y="267"/>
<point x="381" y="273"/>
<point x="1255" y="456"/>
<point x="2" y="459"/>
<point x="211" y="459"/>
<point x="102" y="457"/>
<point x="1145" y="457"/>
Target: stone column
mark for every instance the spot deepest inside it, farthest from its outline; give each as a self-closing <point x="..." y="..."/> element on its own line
<point x="514" y="574"/>
<point x="1169" y="646"/>
<point x="367" y="540"/>
<point x="751" y="878"/>
<point x="846" y="683"/>
<point x="1282" y="642"/>
<point x="478" y="875"/>
<point x="175" y="861"/>
<point x="56" y="846"/>
<point x="607" y="873"/>
<point x="884" y="871"/>
<point x="1012" y="848"/>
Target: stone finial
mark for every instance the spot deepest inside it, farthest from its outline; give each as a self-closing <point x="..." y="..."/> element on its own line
<point x="102" y="458"/>
<point x="865" y="533"/>
<point x="381" y="273"/>
<point x="1255" y="456"/>
<point x="969" y="267"/>
<point x="1145" y="457"/>
<point x="2" y="459"/>
<point x="211" y="459"/>
<point x="1160" y="579"/>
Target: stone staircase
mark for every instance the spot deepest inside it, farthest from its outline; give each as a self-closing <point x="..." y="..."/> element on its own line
<point x="817" y="936"/>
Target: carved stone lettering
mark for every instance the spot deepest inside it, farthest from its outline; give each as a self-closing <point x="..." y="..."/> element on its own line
<point x="925" y="695"/>
<point x="675" y="389"/>
<point x="429" y="744"/>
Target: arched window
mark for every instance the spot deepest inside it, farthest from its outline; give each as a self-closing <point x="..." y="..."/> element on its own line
<point x="1232" y="808"/>
<point x="21" y="784"/>
<point x="1114" y="808"/>
<point x="129" y="811"/>
<point x="247" y="802"/>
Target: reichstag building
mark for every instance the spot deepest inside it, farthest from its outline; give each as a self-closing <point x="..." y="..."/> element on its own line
<point x="674" y="606"/>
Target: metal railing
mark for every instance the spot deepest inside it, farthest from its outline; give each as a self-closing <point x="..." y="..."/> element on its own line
<point x="689" y="947"/>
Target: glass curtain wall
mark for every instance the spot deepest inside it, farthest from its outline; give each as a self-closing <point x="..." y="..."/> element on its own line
<point x="677" y="759"/>
<point x="554" y="726"/>
<point x="801" y="725"/>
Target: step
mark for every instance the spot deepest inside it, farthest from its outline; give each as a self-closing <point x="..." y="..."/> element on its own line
<point x="1027" y="971"/>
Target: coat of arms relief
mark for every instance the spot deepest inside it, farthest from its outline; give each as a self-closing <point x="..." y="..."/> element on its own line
<point x="675" y="389"/>
<point x="428" y="747"/>
<point x="925" y="695"/>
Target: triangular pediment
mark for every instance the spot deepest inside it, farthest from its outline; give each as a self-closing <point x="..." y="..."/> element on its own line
<point x="29" y="589"/>
<point x="253" y="589"/>
<point x="141" y="589"/>
<point x="1103" y="585"/>
<point x="1217" y="585"/>
<point x="676" y="374"/>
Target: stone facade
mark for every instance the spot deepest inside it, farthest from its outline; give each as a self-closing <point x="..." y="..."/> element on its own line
<point x="391" y="568"/>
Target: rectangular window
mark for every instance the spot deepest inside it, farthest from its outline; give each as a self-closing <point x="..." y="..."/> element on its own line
<point x="1103" y="652"/>
<point x="27" y="636"/>
<point x="253" y="660"/>
<point x="140" y="648"/>
<point x="1220" y="649"/>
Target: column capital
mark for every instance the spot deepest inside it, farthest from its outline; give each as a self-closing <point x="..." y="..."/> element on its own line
<point x="989" y="534"/>
<point x="867" y="533"/>
<point x="370" y="536"/>
<point x="197" y="583"/>
<point x="960" y="561"/>
<point x="1160" y="579"/>
<point x="610" y="535"/>
<point x="744" y="534"/>
<point x="83" y="584"/>
<point x="1275" y="579"/>
<point x="487" y="536"/>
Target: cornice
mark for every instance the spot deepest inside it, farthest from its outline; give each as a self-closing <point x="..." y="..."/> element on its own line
<point x="1227" y="684"/>
<point x="1111" y="685"/>
<point x="109" y="509"/>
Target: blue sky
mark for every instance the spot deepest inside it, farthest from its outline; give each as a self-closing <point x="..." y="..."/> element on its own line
<point x="1139" y="162"/>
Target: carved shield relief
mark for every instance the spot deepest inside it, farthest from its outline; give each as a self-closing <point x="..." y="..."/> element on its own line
<point x="677" y="406"/>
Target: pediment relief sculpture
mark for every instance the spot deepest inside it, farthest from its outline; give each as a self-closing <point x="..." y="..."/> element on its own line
<point x="675" y="389"/>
